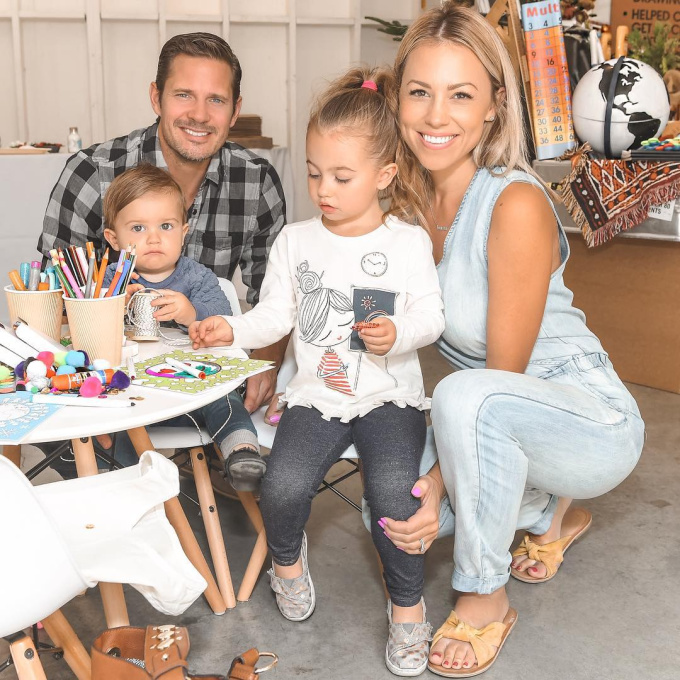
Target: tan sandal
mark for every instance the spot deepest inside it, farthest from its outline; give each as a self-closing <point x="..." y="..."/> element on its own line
<point x="486" y="643"/>
<point x="575" y="523"/>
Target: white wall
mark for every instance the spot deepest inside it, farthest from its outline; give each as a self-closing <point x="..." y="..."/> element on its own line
<point x="89" y="62"/>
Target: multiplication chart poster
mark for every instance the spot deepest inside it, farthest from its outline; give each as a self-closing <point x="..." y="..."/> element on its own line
<point x="549" y="77"/>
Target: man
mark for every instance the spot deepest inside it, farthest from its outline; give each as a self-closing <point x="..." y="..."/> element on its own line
<point x="234" y="200"/>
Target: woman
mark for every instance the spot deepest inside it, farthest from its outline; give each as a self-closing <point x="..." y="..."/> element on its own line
<point x="544" y="418"/>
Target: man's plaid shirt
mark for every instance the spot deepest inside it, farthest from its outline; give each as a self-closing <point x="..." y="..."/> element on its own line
<point x="238" y="211"/>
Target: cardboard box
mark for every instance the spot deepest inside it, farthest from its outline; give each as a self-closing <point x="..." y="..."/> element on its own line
<point x="642" y="14"/>
<point x="629" y="290"/>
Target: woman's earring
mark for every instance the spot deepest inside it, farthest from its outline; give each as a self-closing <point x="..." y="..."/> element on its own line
<point x="490" y="120"/>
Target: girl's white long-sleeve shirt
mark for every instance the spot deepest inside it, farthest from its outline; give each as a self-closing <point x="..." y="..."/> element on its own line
<point x="318" y="285"/>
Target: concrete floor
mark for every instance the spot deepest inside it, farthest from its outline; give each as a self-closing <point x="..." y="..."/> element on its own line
<point x="611" y="614"/>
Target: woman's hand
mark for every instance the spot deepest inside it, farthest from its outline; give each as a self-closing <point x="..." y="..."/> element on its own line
<point x="424" y="523"/>
<point x="211" y="332"/>
<point x="379" y="340"/>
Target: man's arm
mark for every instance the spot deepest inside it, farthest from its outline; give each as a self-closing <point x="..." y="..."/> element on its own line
<point x="270" y="219"/>
<point x="74" y="211"/>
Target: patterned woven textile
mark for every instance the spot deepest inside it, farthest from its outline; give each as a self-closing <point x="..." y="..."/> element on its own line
<point x="605" y="197"/>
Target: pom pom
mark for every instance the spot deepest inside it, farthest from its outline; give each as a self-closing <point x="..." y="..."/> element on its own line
<point x="20" y="386"/>
<point x="91" y="387"/>
<point x="50" y="373"/>
<point x="59" y="358"/>
<point x="36" y="369"/>
<point x="65" y="369"/>
<point x="19" y="369"/>
<point x="4" y="373"/>
<point x="77" y="359"/>
<point x="120" y="381"/>
<point x="47" y="358"/>
<point x="100" y="365"/>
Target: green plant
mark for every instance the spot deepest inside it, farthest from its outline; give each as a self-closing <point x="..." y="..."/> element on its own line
<point x="659" y="50"/>
<point x="394" y="28"/>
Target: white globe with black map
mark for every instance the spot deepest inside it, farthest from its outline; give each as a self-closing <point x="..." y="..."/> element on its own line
<point x="640" y="105"/>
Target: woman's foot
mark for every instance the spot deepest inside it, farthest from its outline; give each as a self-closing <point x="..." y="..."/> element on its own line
<point x="409" y="639"/>
<point x="293" y="586"/>
<point x="567" y="525"/>
<point x="478" y="611"/>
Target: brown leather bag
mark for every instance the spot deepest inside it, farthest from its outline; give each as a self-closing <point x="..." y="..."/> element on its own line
<point x="154" y="652"/>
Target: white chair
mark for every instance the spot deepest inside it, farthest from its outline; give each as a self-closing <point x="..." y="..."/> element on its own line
<point x="165" y="437"/>
<point x="64" y="537"/>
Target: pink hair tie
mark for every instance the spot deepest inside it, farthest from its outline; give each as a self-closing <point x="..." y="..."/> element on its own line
<point x="370" y="85"/>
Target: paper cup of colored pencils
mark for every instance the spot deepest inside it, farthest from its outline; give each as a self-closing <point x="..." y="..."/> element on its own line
<point x="40" y="309"/>
<point x="96" y="326"/>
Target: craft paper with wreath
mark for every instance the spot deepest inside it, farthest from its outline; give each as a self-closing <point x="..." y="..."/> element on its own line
<point x="370" y="304"/>
<point x="19" y="415"/>
<point x="325" y="319"/>
<point x="154" y="372"/>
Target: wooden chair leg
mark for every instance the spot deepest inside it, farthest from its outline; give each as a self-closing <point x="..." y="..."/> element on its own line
<point x="175" y="514"/>
<point x="62" y="635"/>
<point x="259" y="553"/>
<point x="213" y="528"/>
<point x="26" y="660"/>
<point x="13" y="453"/>
<point x="115" y="609"/>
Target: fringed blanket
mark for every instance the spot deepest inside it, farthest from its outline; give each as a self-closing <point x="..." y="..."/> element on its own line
<point x="605" y="197"/>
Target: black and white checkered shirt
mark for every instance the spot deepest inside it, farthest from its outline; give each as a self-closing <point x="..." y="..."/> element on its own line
<point x="238" y="211"/>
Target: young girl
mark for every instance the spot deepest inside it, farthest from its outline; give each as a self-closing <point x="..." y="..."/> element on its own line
<point x="359" y="289"/>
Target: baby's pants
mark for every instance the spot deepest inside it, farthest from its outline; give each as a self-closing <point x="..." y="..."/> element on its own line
<point x="390" y="442"/>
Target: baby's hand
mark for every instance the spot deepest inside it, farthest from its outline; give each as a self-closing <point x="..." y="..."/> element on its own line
<point x="132" y="289"/>
<point x="211" y="332"/>
<point x="173" y="306"/>
<point x="379" y="340"/>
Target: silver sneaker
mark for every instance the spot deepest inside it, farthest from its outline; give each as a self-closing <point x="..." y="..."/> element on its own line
<point x="295" y="598"/>
<point x="408" y="645"/>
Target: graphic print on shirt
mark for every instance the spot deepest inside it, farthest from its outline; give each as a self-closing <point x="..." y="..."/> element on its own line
<point x="369" y="304"/>
<point x="325" y="319"/>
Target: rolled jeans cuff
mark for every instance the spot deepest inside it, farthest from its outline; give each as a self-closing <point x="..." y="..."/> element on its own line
<point x="544" y="522"/>
<point x="482" y="586"/>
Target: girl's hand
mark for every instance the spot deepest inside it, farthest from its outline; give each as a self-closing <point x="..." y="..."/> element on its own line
<point x="424" y="523"/>
<point x="379" y="340"/>
<point x="211" y="332"/>
<point x="173" y="306"/>
<point x="273" y="413"/>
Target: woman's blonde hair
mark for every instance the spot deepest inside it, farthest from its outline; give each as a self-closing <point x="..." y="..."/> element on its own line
<point x="352" y="108"/>
<point x="503" y="143"/>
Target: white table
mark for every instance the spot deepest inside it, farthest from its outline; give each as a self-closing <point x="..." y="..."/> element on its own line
<point x="80" y="424"/>
<point x="26" y="183"/>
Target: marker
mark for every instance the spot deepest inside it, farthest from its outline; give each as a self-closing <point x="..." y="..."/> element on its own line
<point x="76" y="400"/>
<point x="180" y="365"/>
<point x="25" y="271"/>
<point x="51" y="277"/>
<point x="34" y="276"/>
<point x="16" y="280"/>
<point x="130" y="365"/>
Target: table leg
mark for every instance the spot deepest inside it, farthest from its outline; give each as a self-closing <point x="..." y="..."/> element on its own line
<point x="13" y="453"/>
<point x="113" y="599"/>
<point x="259" y="553"/>
<point x="173" y="510"/>
<point x="211" y="521"/>
<point x="62" y="635"/>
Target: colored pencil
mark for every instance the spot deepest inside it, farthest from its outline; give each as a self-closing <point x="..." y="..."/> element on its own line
<point x="102" y="271"/>
<point x="70" y="277"/>
<point x="116" y="276"/>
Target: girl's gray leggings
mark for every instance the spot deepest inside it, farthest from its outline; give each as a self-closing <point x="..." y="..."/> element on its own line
<point x="390" y="442"/>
